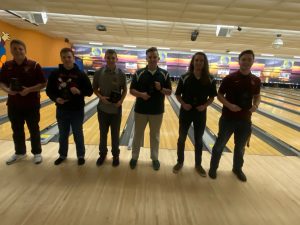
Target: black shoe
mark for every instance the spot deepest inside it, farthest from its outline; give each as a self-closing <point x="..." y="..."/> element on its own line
<point x="115" y="161"/>
<point x="155" y="164"/>
<point x="177" y="167"/>
<point x="200" y="170"/>
<point x="101" y="160"/>
<point x="212" y="174"/>
<point x="132" y="163"/>
<point x="81" y="161"/>
<point x="59" y="161"/>
<point x="240" y="175"/>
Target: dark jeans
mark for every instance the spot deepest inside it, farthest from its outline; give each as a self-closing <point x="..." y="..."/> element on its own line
<point x="18" y="117"/>
<point x="199" y="122"/>
<point x="113" y="121"/>
<point x="241" y="130"/>
<point x="65" y="120"/>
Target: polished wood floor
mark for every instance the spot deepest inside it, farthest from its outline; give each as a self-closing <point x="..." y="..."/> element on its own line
<point x="87" y="195"/>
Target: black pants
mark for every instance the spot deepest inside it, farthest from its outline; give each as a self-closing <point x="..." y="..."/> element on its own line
<point x="199" y="122"/>
<point x="241" y="130"/>
<point x="113" y="121"/>
<point x="18" y="117"/>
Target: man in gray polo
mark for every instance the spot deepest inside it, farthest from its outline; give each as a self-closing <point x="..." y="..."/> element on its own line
<point x="109" y="85"/>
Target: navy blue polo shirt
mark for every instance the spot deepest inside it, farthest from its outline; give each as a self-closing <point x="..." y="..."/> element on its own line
<point x="143" y="81"/>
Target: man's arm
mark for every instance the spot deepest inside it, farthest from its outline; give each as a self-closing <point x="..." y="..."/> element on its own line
<point x="230" y="106"/>
<point x="255" y="103"/>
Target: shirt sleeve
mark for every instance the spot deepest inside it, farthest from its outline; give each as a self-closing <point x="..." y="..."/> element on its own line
<point x="3" y="75"/>
<point x="134" y="83"/>
<point x="179" y="89"/>
<point x="168" y="84"/>
<point x="257" y="86"/>
<point x="39" y="74"/>
<point x="223" y="86"/>
<point x="213" y="89"/>
<point x="95" y="80"/>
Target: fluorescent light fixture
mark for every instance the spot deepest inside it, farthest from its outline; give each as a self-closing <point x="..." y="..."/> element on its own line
<point x="233" y="53"/>
<point x="263" y="54"/>
<point x="95" y="43"/>
<point x="196" y="50"/>
<point x="129" y="46"/>
<point x="163" y="48"/>
<point x="297" y="57"/>
<point x="45" y="17"/>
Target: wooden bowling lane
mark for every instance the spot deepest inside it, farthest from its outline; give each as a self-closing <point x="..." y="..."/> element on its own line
<point x="286" y="99"/>
<point x="91" y="126"/>
<point x="280" y="113"/>
<point x="168" y="132"/>
<point x="3" y="107"/>
<point x="285" y="91"/>
<point x="48" y="117"/>
<point x="257" y="146"/>
<point x="278" y="130"/>
<point x="283" y="104"/>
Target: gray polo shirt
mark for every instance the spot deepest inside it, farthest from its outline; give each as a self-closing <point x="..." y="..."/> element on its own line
<point x="106" y="81"/>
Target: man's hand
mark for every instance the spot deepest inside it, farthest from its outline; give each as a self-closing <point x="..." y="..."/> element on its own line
<point x="118" y="104"/>
<point x="25" y="91"/>
<point x="234" y="108"/>
<point x="104" y="99"/>
<point x="253" y="108"/>
<point x="201" y="108"/>
<point x="157" y="85"/>
<point x="145" y="96"/>
<point x="61" y="101"/>
<point x="75" y="91"/>
<point x="186" y="107"/>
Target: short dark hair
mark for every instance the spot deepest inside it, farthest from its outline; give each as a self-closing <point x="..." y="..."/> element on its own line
<point x="66" y="50"/>
<point x="246" y="52"/>
<point x="17" y="42"/>
<point x="152" y="49"/>
<point x="110" y="52"/>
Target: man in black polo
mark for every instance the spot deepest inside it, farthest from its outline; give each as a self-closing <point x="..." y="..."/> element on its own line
<point x="149" y="85"/>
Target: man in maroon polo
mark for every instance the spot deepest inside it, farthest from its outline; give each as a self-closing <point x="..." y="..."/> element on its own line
<point x="22" y="79"/>
<point x="240" y="95"/>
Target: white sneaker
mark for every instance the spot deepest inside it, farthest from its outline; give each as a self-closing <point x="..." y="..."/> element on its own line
<point x="14" y="158"/>
<point x="37" y="158"/>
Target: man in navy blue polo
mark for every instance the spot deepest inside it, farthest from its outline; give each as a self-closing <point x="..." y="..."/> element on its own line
<point x="149" y="85"/>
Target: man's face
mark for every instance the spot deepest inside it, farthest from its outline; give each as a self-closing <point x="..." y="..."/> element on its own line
<point x="18" y="51"/>
<point x="67" y="59"/>
<point x="246" y="62"/>
<point x="111" y="60"/>
<point x="152" y="59"/>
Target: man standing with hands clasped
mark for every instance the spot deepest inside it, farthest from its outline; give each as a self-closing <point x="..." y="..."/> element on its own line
<point x="240" y="95"/>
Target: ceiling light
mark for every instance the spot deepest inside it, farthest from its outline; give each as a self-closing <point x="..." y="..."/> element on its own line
<point x="196" y="50"/>
<point x="270" y="55"/>
<point x="163" y="48"/>
<point x="297" y="57"/>
<point x="233" y="53"/>
<point x="278" y="42"/>
<point x="101" y="27"/>
<point x="129" y="46"/>
<point x="95" y="43"/>
<point x="223" y="31"/>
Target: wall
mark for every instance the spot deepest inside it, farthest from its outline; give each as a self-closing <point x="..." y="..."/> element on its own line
<point x="40" y="47"/>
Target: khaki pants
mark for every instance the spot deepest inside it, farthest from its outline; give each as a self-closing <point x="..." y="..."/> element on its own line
<point x="141" y="121"/>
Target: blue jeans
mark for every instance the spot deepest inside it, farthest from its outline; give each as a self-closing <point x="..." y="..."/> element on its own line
<point x="65" y="120"/>
<point x="199" y="122"/>
<point x="241" y="130"/>
<point x="113" y="121"/>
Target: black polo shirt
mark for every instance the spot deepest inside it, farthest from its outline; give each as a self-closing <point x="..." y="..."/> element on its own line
<point x="195" y="91"/>
<point x="143" y="81"/>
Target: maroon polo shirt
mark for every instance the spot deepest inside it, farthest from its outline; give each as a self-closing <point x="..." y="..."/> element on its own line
<point x="29" y="73"/>
<point x="239" y="89"/>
